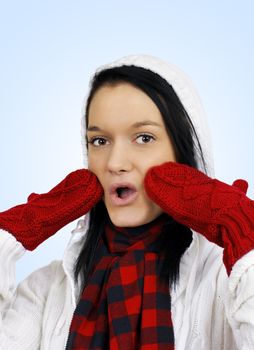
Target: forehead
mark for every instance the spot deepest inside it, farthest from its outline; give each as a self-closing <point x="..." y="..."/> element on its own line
<point x="122" y="103"/>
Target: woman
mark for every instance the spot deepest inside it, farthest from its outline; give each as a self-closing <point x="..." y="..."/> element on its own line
<point x="163" y="258"/>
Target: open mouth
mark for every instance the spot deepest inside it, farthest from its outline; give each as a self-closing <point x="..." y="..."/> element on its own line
<point x="124" y="192"/>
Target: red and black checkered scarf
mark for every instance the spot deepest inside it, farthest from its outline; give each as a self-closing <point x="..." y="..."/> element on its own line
<point x="125" y="305"/>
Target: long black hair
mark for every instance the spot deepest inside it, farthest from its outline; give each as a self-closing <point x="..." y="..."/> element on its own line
<point x="187" y="151"/>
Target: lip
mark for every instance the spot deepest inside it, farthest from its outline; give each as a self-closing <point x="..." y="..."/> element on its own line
<point x="122" y="201"/>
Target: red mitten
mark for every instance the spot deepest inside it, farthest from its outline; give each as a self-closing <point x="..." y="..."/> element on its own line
<point x="222" y="213"/>
<point x="44" y="214"/>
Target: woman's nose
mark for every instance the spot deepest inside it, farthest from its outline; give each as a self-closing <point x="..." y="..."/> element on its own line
<point x="119" y="159"/>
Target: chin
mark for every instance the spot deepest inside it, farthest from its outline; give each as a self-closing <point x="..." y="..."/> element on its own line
<point x="127" y="217"/>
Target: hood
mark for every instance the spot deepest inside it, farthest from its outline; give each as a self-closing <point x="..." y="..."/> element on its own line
<point x="186" y="92"/>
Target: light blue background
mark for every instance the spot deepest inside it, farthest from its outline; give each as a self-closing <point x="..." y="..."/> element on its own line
<point x="50" y="48"/>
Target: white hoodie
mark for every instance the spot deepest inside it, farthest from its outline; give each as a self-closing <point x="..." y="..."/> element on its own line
<point x="210" y="310"/>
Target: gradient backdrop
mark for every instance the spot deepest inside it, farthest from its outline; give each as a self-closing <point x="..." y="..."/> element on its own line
<point x="50" y="48"/>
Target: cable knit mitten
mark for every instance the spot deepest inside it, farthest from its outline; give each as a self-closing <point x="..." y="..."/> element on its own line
<point x="221" y="212"/>
<point x="44" y="214"/>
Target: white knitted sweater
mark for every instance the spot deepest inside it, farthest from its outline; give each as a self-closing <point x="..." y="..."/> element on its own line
<point x="210" y="311"/>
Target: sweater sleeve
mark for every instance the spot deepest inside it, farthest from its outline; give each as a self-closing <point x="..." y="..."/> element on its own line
<point x="21" y="308"/>
<point x="240" y="304"/>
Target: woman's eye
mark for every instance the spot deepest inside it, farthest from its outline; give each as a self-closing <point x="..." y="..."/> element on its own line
<point x="100" y="141"/>
<point x="145" y="138"/>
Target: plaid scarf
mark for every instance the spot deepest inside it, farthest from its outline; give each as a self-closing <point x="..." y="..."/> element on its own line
<point x="125" y="304"/>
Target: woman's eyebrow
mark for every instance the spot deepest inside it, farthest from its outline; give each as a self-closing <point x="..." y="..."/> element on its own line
<point x="144" y="123"/>
<point x="93" y="128"/>
<point x="133" y="126"/>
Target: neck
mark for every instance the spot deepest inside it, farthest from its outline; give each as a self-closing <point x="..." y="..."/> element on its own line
<point x="120" y="239"/>
<point x="133" y="230"/>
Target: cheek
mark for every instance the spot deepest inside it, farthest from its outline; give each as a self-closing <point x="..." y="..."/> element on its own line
<point x="150" y="162"/>
<point x="92" y="164"/>
<point x="96" y="166"/>
<point x="155" y="159"/>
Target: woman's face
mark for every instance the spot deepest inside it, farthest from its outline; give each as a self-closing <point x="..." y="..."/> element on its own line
<point x="126" y="136"/>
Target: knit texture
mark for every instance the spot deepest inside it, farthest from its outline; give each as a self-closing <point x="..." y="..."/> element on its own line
<point x="125" y="304"/>
<point x="44" y="214"/>
<point x="222" y="213"/>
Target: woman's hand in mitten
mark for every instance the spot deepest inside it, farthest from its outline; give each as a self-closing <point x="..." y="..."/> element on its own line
<point x="221" y="212"/>
<point x="44" y="214"/>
